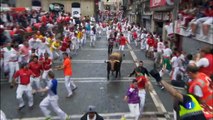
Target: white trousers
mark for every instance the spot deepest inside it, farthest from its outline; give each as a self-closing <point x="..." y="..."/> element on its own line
<point x="6" y="66"/>
<point x="121" y="47"/>
<point x="143" y="46"/>
<point x="174" y="73"/>
<point x="134" y="111"/>
<point x="80" y="42"/>
<point x="41" y="52"/>
<point x="35" y="80"/>
<point x="69" y="84"/>
<point x="136" y="42"/>
<point x="142" y="95"/>
<point x="45" y="73"/>
<point x="92" y="40"/>
<point x="53" y="101"/>
<point x="13" y="67"/>
<point x="56" y="53"/>
<point x="24" y="89"/>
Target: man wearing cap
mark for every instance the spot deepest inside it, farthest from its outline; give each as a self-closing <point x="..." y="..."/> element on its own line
<point x="91" y="114"/>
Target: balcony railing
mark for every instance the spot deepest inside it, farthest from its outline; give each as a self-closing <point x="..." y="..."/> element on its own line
<point x="179" y="29"/>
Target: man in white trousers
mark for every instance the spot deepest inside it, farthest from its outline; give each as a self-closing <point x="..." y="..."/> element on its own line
<point x="10" y="60"/>
<point x="143" y="85"/>
<point x="51" y="99"/>
<point x="67" y="67"/>
<point x="122" y="43"/>
<point x="13" y="63"/>
<point x="92" y="37"/>
<point x="24" y="85"/>
<point x="133" y="100"/>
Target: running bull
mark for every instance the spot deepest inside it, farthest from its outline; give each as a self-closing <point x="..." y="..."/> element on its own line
<point x="114" y="64"/>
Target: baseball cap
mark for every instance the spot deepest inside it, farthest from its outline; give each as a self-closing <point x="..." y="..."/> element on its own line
<point x="91" y="108"/>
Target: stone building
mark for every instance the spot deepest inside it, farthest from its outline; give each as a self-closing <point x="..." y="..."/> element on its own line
<point x="84" y="7"/>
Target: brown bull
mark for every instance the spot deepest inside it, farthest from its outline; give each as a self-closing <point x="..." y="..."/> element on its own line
<point x="114" y="64"/>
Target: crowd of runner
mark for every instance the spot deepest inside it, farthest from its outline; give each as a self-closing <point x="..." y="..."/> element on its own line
<point x="35" y="39"/>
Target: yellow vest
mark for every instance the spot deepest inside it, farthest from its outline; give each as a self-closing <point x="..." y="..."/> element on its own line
<point x="79" y="35"/>
<point x="55" y="44"/>
<point x="49" y="41"/>
<point x="193" y="108"/>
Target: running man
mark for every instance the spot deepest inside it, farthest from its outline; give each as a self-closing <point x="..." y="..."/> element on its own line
<point x="51" y="99"/>
<point x="24" y="85"/>
<point x="67" y="67"/>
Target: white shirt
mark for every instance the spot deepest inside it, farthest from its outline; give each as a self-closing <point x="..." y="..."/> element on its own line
<point x="167" y="52"/>
<point x="198" y="91"/>
<point x="203" y="62"/>
<point x="94" y="118"/>
<point x="174" y="61"/>
<point x="8" y="53"/>
<point x="169" y="28"/>
<point x="33" y="43"/>
<point x="160" y="46"/>
<point x="13" y="55"/>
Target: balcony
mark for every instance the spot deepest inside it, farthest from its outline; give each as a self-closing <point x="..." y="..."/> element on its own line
<point x="199" y="32"/>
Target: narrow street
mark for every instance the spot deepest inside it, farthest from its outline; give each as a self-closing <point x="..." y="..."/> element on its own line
<point x="89" y="73"/>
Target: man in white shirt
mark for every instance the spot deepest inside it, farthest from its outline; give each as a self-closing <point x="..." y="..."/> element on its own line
<point x="160" y="48"/>
<point x="143" y="39"/>
<point x="167" y="52"/>
<point x="175" y="66"/>
<point x="34" y="42"/>
<point x="10" y="60"/>
<point x="204" y="61"/>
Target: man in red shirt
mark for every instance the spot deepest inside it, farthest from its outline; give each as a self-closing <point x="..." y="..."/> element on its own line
<point x="46" y="65"/>
<point x="36" y="68"/>
<point x="135" y="37"/>
<point x="150" y="46"/>
<point x="143" y="85"/>
<point x="24" y="86"/>
<point x="122" y="43"/>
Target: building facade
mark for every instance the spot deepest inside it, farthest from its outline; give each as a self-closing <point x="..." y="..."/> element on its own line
<point x="146" y="15"/>
<point x="86" y="7"/>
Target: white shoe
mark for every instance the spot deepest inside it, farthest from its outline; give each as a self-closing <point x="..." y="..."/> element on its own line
<point x="69" y="95"/>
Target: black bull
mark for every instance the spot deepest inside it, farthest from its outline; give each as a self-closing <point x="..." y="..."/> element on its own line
<point x="114" y="64"/>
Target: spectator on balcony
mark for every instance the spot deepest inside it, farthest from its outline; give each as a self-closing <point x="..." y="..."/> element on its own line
<point x="205" y="17"/>
<point x="206" y="25"/>
<point x="188" y="14"/>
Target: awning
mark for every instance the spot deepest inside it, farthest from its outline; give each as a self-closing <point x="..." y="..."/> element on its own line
<point x="19" y="9"/>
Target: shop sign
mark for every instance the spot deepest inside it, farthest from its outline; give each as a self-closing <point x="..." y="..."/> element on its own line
<point x="157" y="3"/>
<point x="157" y="16"/>
<point x="166" y="16"/>
<point x="160" y="3"/>
<point x="56" y="7"/>
<point x="161" y="16"/>
<point x="76" y="12"/>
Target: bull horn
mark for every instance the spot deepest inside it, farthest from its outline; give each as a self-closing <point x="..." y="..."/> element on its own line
<point x="117" y="61"/>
